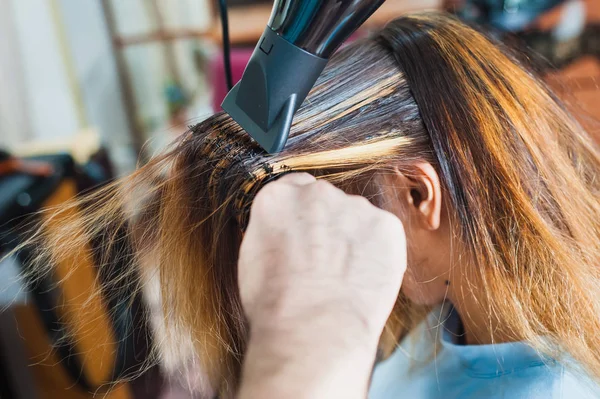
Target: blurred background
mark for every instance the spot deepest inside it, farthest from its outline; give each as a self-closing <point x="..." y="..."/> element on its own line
<point x="89" y="88"/>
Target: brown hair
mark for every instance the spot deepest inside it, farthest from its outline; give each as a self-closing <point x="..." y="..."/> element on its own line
<point x="519" y="173"/>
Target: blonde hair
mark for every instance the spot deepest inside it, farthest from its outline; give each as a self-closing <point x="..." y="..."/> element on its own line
<point x="518" y="171"/>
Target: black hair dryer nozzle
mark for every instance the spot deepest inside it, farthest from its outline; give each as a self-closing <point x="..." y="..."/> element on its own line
<point x="288" y="59"/>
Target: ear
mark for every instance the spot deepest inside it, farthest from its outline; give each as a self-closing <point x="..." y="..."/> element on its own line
<point x="424" y="195"/>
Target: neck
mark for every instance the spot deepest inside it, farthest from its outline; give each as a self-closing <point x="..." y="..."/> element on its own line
<point x="480" y="328"/>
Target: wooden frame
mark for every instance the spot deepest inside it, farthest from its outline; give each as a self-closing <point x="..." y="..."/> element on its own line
<point x="246" y="25"/>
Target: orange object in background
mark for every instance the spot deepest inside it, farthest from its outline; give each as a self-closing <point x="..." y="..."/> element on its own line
<point x="579" y="85"/>
<point x="581" y="80"/>
<point x="86" y="318"/>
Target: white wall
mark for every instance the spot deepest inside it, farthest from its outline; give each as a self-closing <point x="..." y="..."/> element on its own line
<point x="96" y="74"/>
<point x="14" y="113"/>
<point x="60" y="87"/>
<point x="51" y="110"/>
<point x="58" y="73"/>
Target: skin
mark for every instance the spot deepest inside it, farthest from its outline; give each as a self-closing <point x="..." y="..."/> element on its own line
<point x="437" y="264"/>
<point x="417" y="202"/>
<point x="320" y="270"/>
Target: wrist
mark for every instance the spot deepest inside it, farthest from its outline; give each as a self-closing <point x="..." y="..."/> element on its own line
<point x="317" y="359"/>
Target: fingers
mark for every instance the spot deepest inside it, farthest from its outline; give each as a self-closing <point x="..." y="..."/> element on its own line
<point x="298" y="179"/>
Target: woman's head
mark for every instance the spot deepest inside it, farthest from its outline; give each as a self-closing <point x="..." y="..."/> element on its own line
<point x="495" y="183"/>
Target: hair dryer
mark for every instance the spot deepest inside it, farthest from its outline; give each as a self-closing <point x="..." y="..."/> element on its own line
<point x="293" y="50"/>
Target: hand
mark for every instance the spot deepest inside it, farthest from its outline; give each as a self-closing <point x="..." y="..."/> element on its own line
<point x="319" y="272"/>
<point x="310" y="248"/>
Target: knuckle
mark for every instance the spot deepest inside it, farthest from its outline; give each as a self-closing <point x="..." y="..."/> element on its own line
<point x="390" y="223"/>
<point x="272" y="191"/>
<point x="360" y="202"/>
<point x="269" y="195"/>
<point x="323" y="187"/>
<point x="321" y="194"/>
<point x="363" y="209"/>
<point x="297" y="178"/>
